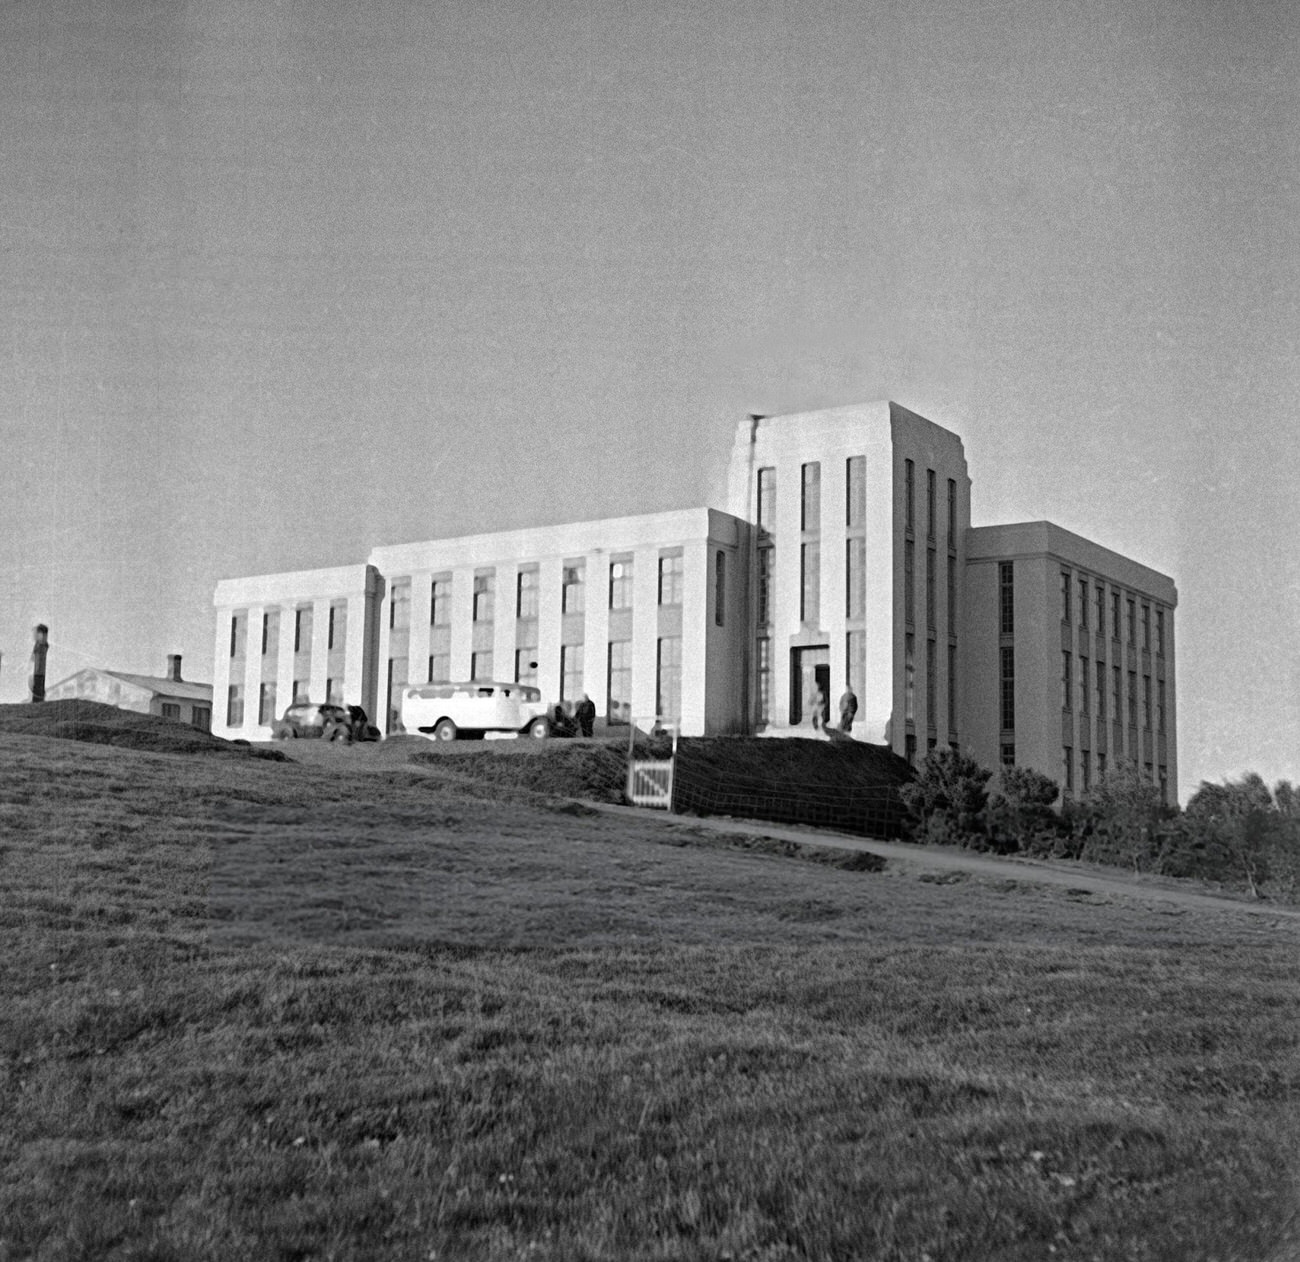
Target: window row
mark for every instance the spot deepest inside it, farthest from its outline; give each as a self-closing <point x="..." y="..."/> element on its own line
<point x="335" y="638"/>
<point x="1089" y="689"/>
<point x="1085" y="597"/>
<point x="1093" y="768"/>
<point x="931" y="507"/>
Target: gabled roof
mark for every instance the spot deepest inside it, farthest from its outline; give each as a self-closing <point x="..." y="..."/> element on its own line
<point x="182" y="688"/>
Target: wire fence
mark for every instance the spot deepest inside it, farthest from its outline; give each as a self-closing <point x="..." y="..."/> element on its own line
<point x="869" y="811"/>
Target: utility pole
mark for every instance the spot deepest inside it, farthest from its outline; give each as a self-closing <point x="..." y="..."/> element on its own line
<point x="40" y="647"/>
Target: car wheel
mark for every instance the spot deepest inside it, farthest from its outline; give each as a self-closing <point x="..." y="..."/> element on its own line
<point x="539" y="728"/>
<point x="444" y="731"/>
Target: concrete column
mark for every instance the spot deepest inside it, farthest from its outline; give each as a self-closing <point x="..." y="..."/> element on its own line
<point x="418" y="636"/>
<point x="595" y="661"/>
<point x="462" y="621"/>
<point x="645" y="630"/>
<point x="503" y="636"/>
<point x="550" y="577"/>
<point x="696" y="578"/>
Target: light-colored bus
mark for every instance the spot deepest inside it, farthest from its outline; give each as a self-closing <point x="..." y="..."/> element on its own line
<point x="446" y="711"/>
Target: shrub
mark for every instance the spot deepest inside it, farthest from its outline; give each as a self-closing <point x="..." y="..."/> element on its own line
<point x="1020" y="815"/>
<point x="947" y="800"/>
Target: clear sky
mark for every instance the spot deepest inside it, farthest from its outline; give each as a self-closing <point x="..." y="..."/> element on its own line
<point x="280" y="281"/>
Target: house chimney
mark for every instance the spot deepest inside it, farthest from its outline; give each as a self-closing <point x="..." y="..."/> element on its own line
<point x="40" y="646"/>
<point x="173" y="666"/>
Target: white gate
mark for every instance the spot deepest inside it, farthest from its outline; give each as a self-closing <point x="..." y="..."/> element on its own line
<point x="650" y="780"/>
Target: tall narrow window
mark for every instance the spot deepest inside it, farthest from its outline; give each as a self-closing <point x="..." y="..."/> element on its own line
<point x="235" y="705"/>
<point x="670" y="579"/>
<point x="855" y="659"/>
<point x="763" y="659"/>
<point x="1117" y="696"/>
<point x="855" y="605"/>
<point x="526" y="593"/>
<point x="765" y="559"/>
<point x="1006" y="597"/>
<point x="931" y="685"/>
<point x="439" y="667"/>
<point x="1007" y="673"/>
<point x="1085" y="683"/>
<point x="302" y="630"/>
<point x="668" y="684"/>
<point x="481" y="665"/>
<point x="266" y="704"/>
<point x="811" y="505"/>
<point x="526" y="666"/>
<point x="1160" y="633"/>
<point x="1160" y="706"/>
<point x="440" y="603"/>
<point x="620" y="584"/>
<point x="929" y="503"/>
<point x="909" y="678"/>
<point x="909" y="580"/>
<point x="237" y="624"/>
<point x="396" y="682"/>
<point x="1132" y="622"/>
<point x="1146" y="702"/>
<point x="952" y="690"/>
<point x="952" y="514"/>
<point x="338" y="628"/>
<point x="766" y="499"/>
<point x="1066" y="592"/>
<point x="1067" y="760"/>
<point x="810" y="559"/>
<point x="571" y="659"/>
<point x="1132" y="699"/>
<point x="1146" y="627"/>
<point x="399" y="605"/>
<point x="719" y="588"/>
<point x="572" y="600"/>
<point x="855" y="506"/>
<point x="484" y="598"/>
<point x="931" y="622"/>
<point x="1067" y="682"/>
<point x="269" y="620"/>
<point x="1083" y="603"/>
<point x="619" y="682"/>
<point x="909" y="495"/>
<point x="1114" y="615"/>
<point x="952" y="594"/>
<point x="1101" y="692"/>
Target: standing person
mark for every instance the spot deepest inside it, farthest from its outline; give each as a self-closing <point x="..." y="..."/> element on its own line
<point x="585" y="713"/>
<point x="818" y="706"/>
<point x="848" y="710"/>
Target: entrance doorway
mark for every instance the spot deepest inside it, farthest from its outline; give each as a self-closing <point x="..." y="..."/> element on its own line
<point x="810" y="669"/>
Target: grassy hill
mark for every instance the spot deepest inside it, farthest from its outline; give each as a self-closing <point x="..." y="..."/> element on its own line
<point x="271" y="1009"/>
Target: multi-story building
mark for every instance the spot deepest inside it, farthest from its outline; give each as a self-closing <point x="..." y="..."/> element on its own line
<point x="846" y="559"/>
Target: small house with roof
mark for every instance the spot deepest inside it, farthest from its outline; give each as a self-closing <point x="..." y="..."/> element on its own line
<point x="168" y="696"/>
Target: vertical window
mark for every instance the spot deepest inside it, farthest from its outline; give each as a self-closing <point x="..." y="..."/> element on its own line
<point x="719" y="587"/>
<point x="338" y="628"/>
<point x="1101" y="692"/>
<point x="268" y="640"/>
<point x="1101" y="767"/>
<point x="1100" y="592"/>
<point x="952" y="514"/>
<point x="266" y="704"/>
<point x="237" y="634"/>
<point x="620" y="584"/>
<point x="909" y="495"/>
<point x="1132" y="699"/>
<point x="399" y="607"/>
<point x="766" y="499"/>
<point x="302" y="690"/>
<point x="668" y="679"/>
<point x="302" y="629"/>
<point x="439" y="667"/>
<point x="1160" y="705"/>
<point x="1008" y="754"/>
<point x="1084" y="683"/>
<point x="1117" y="696"/>
<point x="484" y="593"/>
<point x="1164" y="785"/>
<point x="931" y="685"/>
<point x="929" y="504"/>
<point x="235" y="705"/>
<point x="481" y="665"/>
<point x="571" y="672"/>
<point x="1146" y="702"/>
<point x="1132" y="621"/>
<point x="1007" y="672"/>
<point x="952" y="689"/>
<point x="396" y="682"/>
<point x="526" y="666"/>
<point x="764" y="669"/>
<point x="619" y="682"/>
<point x="1007" y="597"/>
<point x="931" y="622"/>
<point x="670" y="578"/>
<point x="1085" y="759"/>
<point x="1067" y="760"/>
<point x="909" y="580"/>
<point x="440" y="603"/>
<point x="1067" y="682"/>
<point x="952" y="595"/>
<point x="1083" y="603"/>
<point x="1146" y="627"/>
<point x="909" y="678"/>
<point x="1114" y="615"/>
<point x="572" y="600"/>
<point x="1160" y="633"/>
<point x="334" y="691"/>
<point x="855" y="506"/>
<point x="855" y="587"/>
<point x="909" y="748"/>
<point x="526" y="594"/>
<point x="765" y="558"/>
<point x="855" y="657"/>
<point x="201" y="717"/>
<point x="1066" y="592"/>
<point x="811" y="504"/>
<point x="810" y="560"/>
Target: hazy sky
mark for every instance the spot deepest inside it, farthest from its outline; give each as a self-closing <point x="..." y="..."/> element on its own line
<point x="283" y="281"/>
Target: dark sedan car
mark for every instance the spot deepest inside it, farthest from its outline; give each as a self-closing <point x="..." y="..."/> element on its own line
<point x="325" y="721"/>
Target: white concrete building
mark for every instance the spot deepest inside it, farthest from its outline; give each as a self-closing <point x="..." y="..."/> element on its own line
<point x="846" y="557"/>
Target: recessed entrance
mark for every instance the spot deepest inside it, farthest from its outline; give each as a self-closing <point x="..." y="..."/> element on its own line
<point x="810" y="669"/>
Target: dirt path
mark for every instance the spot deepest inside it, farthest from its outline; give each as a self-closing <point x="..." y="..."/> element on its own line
<point x="1133" y="887"/>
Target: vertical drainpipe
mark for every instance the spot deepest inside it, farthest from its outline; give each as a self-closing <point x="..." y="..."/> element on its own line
<point x="40" y="646"/>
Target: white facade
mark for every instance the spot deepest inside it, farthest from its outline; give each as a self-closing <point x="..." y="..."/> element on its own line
<point x="847" y="557"/>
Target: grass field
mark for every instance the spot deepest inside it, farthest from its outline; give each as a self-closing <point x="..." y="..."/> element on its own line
<point x="275" y="1010"/>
